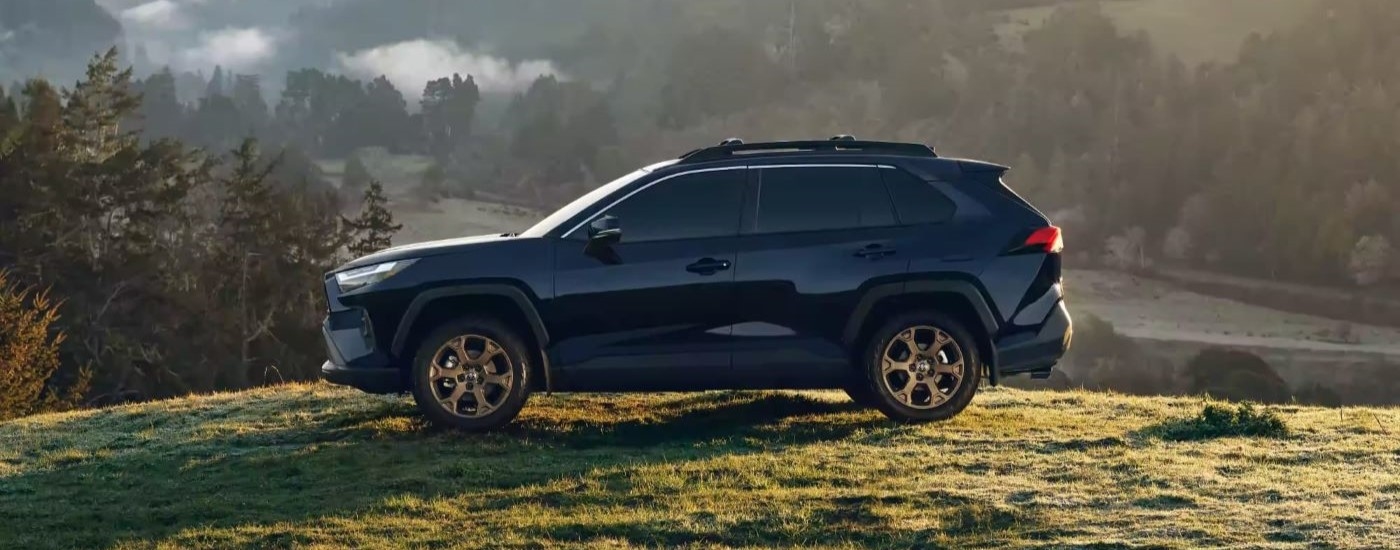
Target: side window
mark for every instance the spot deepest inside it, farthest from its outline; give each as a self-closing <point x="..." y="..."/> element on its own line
<point x="807" y="199"/>
<point x="916" y="200"/>
<point x="703" y="204"/>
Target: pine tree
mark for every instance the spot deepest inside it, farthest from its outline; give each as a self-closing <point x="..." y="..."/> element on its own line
<point x="9" y="115"/>
<point x="373" y="230"/>
<point x="216" y="83"/>
<point x="357" y="177"/>
<point x="162" y="115"/>
<point x="96" y="106"/>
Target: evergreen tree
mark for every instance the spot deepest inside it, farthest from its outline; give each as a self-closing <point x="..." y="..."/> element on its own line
<point x="373" y="230"/>
<point x="9" y="115"/>
<point x="357" y="177"/>
<point x="162" y="115"/>
<point x="216" y="84"/>
<point x="248" y="98"/>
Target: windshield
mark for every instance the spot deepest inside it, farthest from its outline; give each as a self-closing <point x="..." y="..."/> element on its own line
<point x="578" y="205"/>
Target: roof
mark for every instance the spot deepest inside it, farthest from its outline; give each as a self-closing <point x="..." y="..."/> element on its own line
<point x="733" y="147"/>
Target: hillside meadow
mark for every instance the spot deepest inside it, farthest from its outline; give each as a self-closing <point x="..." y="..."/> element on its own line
<point x="312" y="465"/>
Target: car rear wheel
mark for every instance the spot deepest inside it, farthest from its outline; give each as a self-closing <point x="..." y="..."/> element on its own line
<point x="471" y="374"/>
<point x="922" y="367"/>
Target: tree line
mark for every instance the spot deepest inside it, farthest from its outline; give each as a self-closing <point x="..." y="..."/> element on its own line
<point x="135" y="269"/>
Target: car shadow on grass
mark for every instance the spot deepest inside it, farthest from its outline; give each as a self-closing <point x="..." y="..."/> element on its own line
<point x="215" y="475"/>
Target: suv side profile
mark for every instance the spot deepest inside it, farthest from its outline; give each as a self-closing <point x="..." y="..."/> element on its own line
<point x="902" y="277"/>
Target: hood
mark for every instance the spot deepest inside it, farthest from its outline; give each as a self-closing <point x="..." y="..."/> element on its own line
<point x="424" y="249"/>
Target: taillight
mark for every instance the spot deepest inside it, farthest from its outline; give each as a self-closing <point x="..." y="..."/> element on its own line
<point x="1045" y="239"/>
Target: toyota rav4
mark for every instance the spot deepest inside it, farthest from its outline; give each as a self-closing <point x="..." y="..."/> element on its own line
<point x="902" y="277"/>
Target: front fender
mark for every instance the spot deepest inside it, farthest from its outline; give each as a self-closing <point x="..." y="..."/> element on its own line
<point x="521" y="300"/>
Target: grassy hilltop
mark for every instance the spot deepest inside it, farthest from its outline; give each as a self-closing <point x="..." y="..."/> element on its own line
<point x="313" y="465"/>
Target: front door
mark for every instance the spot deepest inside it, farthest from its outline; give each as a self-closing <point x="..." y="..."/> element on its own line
<point x="653" y="312"/>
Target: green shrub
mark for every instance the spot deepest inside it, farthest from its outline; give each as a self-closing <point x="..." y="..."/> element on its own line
<point x="1235" y="375"/>
<point x="1102" y="359"/>
<point x="29" y="352"/>
<point x="1224" y="420"/>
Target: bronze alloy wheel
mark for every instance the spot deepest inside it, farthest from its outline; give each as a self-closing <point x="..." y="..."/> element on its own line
<point x="922" y="367"/>
<point x="470" y="376"/>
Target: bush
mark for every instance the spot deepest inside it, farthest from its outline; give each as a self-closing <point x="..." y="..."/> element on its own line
<point x="29" y="354"/>
<point x="1223" y="420"/>
<point x="1102" y="359"/>
<point x="1235" y="375"/>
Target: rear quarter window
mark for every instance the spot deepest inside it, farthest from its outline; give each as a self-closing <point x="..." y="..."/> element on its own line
<point x="915" y="200"/>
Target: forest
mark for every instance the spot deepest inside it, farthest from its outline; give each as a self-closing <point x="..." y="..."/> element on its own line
<point x="158" y="241"/>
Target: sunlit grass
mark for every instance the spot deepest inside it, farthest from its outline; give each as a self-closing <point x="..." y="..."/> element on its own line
<point x="308" y="465"/>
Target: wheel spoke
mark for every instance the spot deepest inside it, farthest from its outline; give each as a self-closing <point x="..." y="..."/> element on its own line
<point x="451" y="400"/>
<point x="489" y="352"/>
<point x="954" y="369"/>
<point x="503" y="380"/>
<point x="483" y="407"/>
<point x="890" y="365"/>
<point x="459" y="347"/>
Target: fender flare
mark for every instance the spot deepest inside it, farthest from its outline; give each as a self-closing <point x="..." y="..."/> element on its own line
<point x="967" y="290"/>
<point x="521" y="300"/>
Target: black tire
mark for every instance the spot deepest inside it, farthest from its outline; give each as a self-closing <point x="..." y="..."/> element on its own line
<point x="950" y="400"/>
<point x="504" y="402"/>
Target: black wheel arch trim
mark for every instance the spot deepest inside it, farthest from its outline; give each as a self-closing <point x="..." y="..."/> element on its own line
<point x="421" y="301"/>
<point x="968" y="291"/>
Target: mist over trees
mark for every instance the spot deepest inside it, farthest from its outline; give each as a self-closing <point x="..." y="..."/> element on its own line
<point x="183" y="221"/>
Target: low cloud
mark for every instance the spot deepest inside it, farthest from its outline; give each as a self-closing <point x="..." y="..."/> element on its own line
<point x="411" y="64"/>
<point x="233" y="48"/>
<point x="159" y="14"/>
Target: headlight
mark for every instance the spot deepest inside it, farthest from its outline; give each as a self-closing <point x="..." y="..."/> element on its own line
<point x="360" y="277"/>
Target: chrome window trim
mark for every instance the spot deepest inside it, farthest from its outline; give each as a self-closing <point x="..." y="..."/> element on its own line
<point x="762" y="166"/>
<point x="703" y="170"/>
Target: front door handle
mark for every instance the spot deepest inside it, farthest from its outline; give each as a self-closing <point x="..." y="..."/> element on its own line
<point x="708" y="266"/>
<point x="874" y="251"/>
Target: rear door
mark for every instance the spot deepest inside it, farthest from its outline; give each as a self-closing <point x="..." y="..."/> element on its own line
<point x="815" y="237"/>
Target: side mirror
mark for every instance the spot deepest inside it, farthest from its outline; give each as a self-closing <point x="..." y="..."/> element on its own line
<point x="606" y="230"/>
<point x="603" y="233"/>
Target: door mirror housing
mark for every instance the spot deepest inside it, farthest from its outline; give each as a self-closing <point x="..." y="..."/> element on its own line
<point x="606" y="231"/>
<point x="603" y="233"/>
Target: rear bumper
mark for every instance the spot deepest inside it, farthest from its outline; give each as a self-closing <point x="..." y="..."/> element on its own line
<point x="375" y="380"/>
<point x="1037" y="352"/>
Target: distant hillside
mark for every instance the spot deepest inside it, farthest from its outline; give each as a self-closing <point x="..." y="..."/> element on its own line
<point x="310" y="465"/>
<point x="1196" y="31"/>
<point x="52" y="37"/>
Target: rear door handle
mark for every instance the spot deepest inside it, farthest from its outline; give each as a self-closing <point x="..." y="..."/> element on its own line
<point x="708" y="266"/>
<point x="874" y="251"/>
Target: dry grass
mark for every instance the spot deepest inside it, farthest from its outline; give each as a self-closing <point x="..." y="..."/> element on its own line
<point x="312" y="465"/>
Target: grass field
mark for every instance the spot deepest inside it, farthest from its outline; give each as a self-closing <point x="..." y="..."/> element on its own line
<point x="312" y="465"/>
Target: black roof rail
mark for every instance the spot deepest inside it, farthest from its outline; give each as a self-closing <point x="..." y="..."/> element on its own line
<point x="730" y="147"/>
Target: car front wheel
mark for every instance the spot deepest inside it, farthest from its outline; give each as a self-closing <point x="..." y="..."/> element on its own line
<point x="922" y="367"/>
<point x="471" y="374"/>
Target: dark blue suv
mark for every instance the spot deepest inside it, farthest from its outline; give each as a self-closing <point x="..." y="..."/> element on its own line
<point x="903" y="278"/>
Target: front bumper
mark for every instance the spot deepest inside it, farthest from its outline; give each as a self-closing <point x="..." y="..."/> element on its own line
<point x="374" y="380"/>
<point x="1038" y="352"/>
<point x="354" y="357"/>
